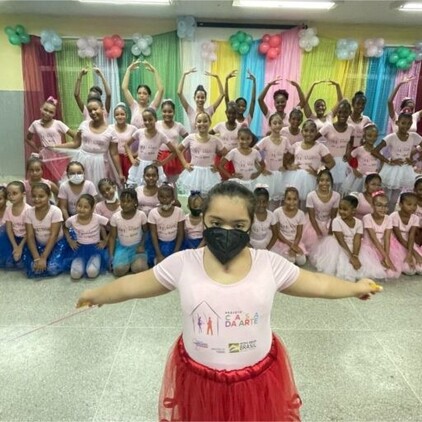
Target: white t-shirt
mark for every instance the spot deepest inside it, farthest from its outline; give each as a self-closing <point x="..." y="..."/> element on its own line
<point x="288" y="225"/>
<point x="227" y="137"/>
<point x="226" y="326"/>
<point x="400" y="150"/>
<point x="166" y="226"/>
<point x="322" y="209"/>
<point x="404" y="228"/>
<point x="194" y="231"/>
<point x="65" y="192"/>
<point x="87" y="234"/>
<point x="129" y="232"/>
<point x="261" y="231"/>
<point x="348" y="232"/>
<point x="18" y="221"/>
<point x="367" y="163"/>
<point x="101" y="209"/>
<point x="309" y="158"/>
<point x="49" y="136"/>
<point x="42" y="228"/>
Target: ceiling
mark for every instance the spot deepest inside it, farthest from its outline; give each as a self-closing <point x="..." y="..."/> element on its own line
<point x="347" y="11"/>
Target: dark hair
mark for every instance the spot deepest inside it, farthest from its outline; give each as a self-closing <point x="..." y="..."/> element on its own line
<point x="151" y="166"/>
<point x="248" y="132"/>
<point x="309" y="122"/>
<point x="405" y="116"/>
<point x="325" y="172"/>
<point x="241" y="99"/>
<point x="203" y="112"/>
<point x="105" y="181"/>
<point x="405" y="102"/>
<point x="282" y="92"/>
<point x="89" y="198"/>
<point x="232" y="190"/>
<point x="18" y="184"/>
<point x="129" y="193"/>
<point x="231" y="105"/>
<point x="151" y="111"/>
<point x="146" y="87"/>
<point x="274" y="115"/>
<point x="291" y="189"/>
<point x="194" y="194"/>
<point x="200" y="88"/>
<point x="358" y="95"/>
<point x="123" y="106"/>
<point x="297" y="112"/>
<point x="262" y="192"/>
<point x="3" y="190"/>
<point x="42" y="186"/>
<point x="95" y="100"/>
<point x="170" y="103"/>
<point x="165" y="186"/>
<point x="74" y="163"/>
<point x="96" y="89"/>
<point x="370" y="177"/>
<point x="31" y="161"/>
<point x="418" y="180"/>
<point x="352" y="200"/>
<point x="405" y="195"/>
<point x="320" y="100"/>
<point x="345" y="103"/>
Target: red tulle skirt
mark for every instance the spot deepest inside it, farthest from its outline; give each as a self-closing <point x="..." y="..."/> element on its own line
<point x="228" y="167"/>
<point x="174" y="167"/>
<point x="262" y="392"/>
<point x="125" y="164"/>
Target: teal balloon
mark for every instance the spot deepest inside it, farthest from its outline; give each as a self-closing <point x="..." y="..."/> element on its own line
<point x="244" y="48"/>
<point x="232" y="38"/>
<point x="249" y="39"/>
<point x="403" y="52"/>
<point x="20" y="29"/>
<point x="25" y="38"/>
<point x="411" y="56"/>
<point x="402" y="64"/>
<point x="9" y="31"/>
<point x="240" y="36"/>
<point x="235" y="45"/>
<point x="14" y="39"/>
<point x="394" y="57"/>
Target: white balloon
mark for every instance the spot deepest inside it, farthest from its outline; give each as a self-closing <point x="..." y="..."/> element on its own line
<point x="308" y="48"/>
<point x="82" y="43"/>
<point x="341" y="44"/>
<point x="204" y="54"/>
<point x="314" y="41"/>
<point x="418" y="45"/>
<point x="379" y="42"/>
<point x="90" y="52"/>
<point x="352" y="45"/>
<point x="148" y="39"/>
<point x="379" y="53"/>
<point x="190" y="33"/>
<point x="418" y="57"/>
<point x="302" y="43"/>
<point x="146" y="52"/>
<point x="371" y="51"/>
<point x="342" y="54"/>
<point x="302" y="33"/>
<point x="81" y="54"/>
<point x="190" y="21"/>
<point x="135" y="50"/>
<point x="351" y="55"/>
<point x="368" y="43"/>
<point x="92" y="42"/>
<point x="310" y="32"/>
<point x="136" y="36"/>
<point x="142" y="44"/>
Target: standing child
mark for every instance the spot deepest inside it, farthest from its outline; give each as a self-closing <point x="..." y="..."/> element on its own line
<point x="226" y="279"/>
<point x="293" y="132"/>
<point x="405" y="222"/>
<point x="274" y="147"/>
<point x="75" y="186"/>
<point x="247" y="162"/>
<point x="90" y="255"/>
<point x="126" y="240"/>
<point x="200" y="174"/>
<point x="110" y="204"/>
<point x="175" y="132"/>
<point x="264" y="233"/>
<point x="376" y="240"/>
<point x="5" y="246"/>
<point x="321" y="206"/>
<point x="308" y="156"/>
<point x="167" y="226"/>
<point x="149" y="141"/>
<point x="372" y="184"/>
<point x="34" y="172"/>
<point x="123" y="132"/>
<point x="356" y="119"/>
<point x="397" y="172"/>
<point x="50" y="133"/>
<point x="290" y="220"/>
<point x="14" y="217"/>
<point x="340" y="254"/>
<point x="194" y="225"/>
<point x="148" y="193"/>
<point x="339" y="141"/>
<point x="49" y="252"/>
<point x="366" y="163"/>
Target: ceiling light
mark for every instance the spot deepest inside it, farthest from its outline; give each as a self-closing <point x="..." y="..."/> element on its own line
<point x="410" y="7"/>
<point x="135" y="2"/>
<point x="288" y="4"/>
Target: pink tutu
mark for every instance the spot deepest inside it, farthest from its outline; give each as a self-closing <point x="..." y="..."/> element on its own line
<point x="398" y="254"/>
<point x="309" y="236"/>
<point x="282" y="249"/>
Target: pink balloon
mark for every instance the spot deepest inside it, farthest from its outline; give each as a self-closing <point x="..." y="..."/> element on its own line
<point x="108" y="42"/>
<point x="275" y="41"/>
<point x="263" y="48"/>
<point x="266" y="38"/>
<point x="115" y="52"/>
<point x="272" y="53"/>
<point x="109" y="54"/>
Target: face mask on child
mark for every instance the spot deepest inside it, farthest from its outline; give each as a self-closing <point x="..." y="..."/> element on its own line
<point x="166" y="207"/>
<point x="196" y="212"/>
<point x="77" y="179"/>
<point x="225" y="244"/>
<point x="114" y="199"/>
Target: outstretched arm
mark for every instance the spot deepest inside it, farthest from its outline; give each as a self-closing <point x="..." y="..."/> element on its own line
<point x="160" y="88"/>
<point x="217" y="102"/>
<point x="232" y="74"/>
<point x="306" y="108"/>
<point x="299" y="92"/>
<point x="125" y="83"/>
<point x="339" y="96"/>
<point x="77" y="92"/>
<point x="180" y="94"/>
<point x="391" y="110"/>
<point x="251" y="76"/>
<point x="107" y="89"/>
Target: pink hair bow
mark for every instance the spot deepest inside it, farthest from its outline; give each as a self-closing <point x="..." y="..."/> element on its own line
<point x="377" y="193"/>
<point x="51" y="100"/>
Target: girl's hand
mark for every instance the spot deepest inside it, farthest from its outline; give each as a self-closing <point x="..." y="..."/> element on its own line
<point x="148" y="66"/>
<point x="388" y="264"/>
<point x="346" y="158"/>
<point x="232" y="74"/>
<point x="87" y="298"/>
<point x="159" y="258"/>
<point x="267" y="172"/>
<point x="255" y="175"/>
<point x="357" y="173"/>
<point x="294" y="83"/>
<point x="134" y="65"/>
<point x="135" y="162"/>
<point x="365" y="288"/>
<point x="250" y="76"/>
<point x="407" y="79"/>
<point x="293" y="167"/>
<point x="189" y="167"/>
<point x="312" y="171"/>
<point x="101" y="244"/>
<point x="40" y="264"/>
<point x="74" y="245"/>
<point x="354" y="260"/>
<point x="213" y="75"/>
<point x="83" y="71"/>
<point x="417" y="257"/>
<point x="214" y="169"/>
<point x="157" y="163"/>
<point x="140" y="249"/>
<point x="192" y="70"/>
<point x="237" y="176"/>
<point x="17" y="253"/>
<point x="97" y="70"/>
<point x="297" y="249"/>
<point x="409" y="260"/>
<point x="275" y="81"/>
<point x="122" y="178"/>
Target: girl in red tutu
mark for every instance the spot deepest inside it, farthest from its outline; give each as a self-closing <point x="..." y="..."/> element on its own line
<point x="227" y="365"/>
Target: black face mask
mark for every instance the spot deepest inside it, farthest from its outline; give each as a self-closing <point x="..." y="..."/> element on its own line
<point x="196" y="212"/>
<point x="225" y="244"/>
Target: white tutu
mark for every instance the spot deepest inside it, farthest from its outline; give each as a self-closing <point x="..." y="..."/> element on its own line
<point x="397" y="177"/>
<point x="135" y="175"/>
<point x="330" y="258"/>
<point x="352" y="184"/>
<point x="303" y="181"/>
<point x="339" y="171"/>
<point x="275" y="182"/>
<point x="200" y="178"/>
<point x="250" y="184"/>
<point x="261" y="243"/>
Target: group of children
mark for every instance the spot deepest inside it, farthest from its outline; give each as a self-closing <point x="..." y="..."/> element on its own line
<point x="299" y="172"/>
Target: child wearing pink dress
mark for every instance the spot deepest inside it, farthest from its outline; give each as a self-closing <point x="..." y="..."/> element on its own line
<point x="321" y="206"/>
<point x="147" y="194"/>
<point x="50" y="132"/>
<point x="293" y="132"/>
<point x="372" y="184"/>
<point x="290" y="220"/>
<point x="405" y="222"/>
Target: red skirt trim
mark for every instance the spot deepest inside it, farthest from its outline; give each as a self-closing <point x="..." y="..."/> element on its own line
<point x="229" y="167"/>
<point x="125" y="164"/>
<point x="174" y="167"/>
<point x="262" y="392"/>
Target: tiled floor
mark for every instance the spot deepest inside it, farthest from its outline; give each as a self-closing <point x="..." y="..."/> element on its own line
<point x="353" y="361"/>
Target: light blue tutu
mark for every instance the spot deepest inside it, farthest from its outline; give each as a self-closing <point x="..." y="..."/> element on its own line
<point x="303" y="181"/>
<point x="136" y="174"/>
<point x="352" y="184"/>
<point x="397" y="177"/>
<point x="249" y="184"/>
<point x="126" y="255"/>
<point x="58" y="261"/>
<point x="200" y="178"/>
<point x="275" y="182"/>
<point x="339" y="171"/>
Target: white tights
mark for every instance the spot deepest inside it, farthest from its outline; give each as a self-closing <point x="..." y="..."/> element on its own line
<point x="92" y="269"/>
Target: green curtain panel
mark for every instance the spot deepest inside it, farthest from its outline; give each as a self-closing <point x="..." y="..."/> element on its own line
<point x="69" y="64"/>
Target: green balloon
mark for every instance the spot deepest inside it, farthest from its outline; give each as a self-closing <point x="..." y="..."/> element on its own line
<point x="232" y="38"/>
<point x="394" y="57"/>
<point x="402" y="64"/>
<point x="235" y="45"/>
<point x="14" y="39"/>
<point x="403" y="52"/>
<point x="9" y="31"/>
<point x="244" y="48"/>
<point x="411" y="56"/>
<point x="240" y="36"/>
<point x="249" y="39"/>
<point x="25" y="38"/>
<point x="20" y="29"/>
